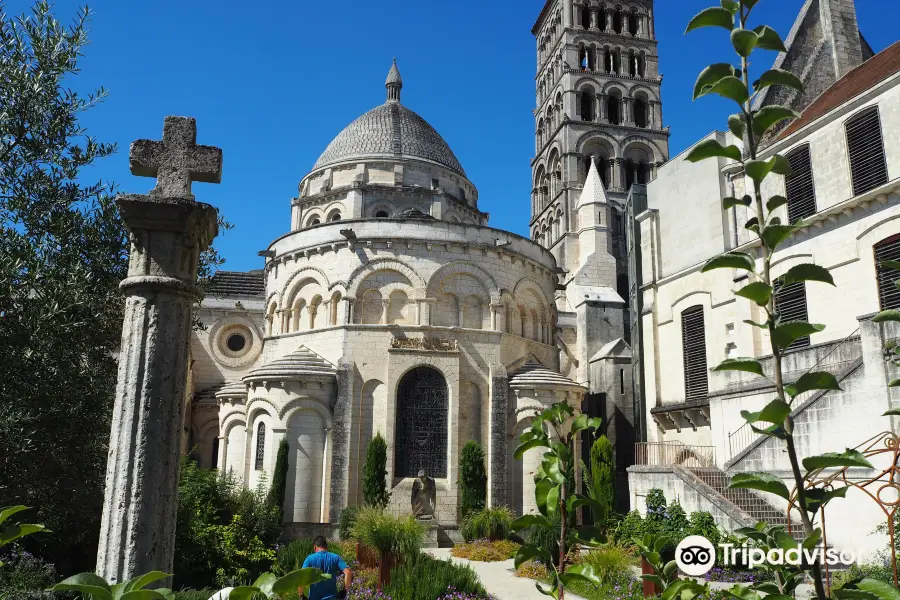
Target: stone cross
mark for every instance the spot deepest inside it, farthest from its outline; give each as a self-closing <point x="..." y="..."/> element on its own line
<point x="177" y="160"/>
<point x="168" y="230"/>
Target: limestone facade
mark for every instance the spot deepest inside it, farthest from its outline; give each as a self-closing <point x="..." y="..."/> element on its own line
<point x="389" y="281"/>
<point x="854" y="214"/>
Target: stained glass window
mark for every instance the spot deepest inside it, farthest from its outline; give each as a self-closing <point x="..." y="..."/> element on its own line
<point x="422" y="413"/>
<point x="260" y="446"/>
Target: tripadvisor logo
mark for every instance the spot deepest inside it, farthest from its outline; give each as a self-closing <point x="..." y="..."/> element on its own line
<point x="695" y="556"/>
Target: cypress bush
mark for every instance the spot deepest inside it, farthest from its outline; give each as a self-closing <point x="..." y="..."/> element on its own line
<point x="279" y="480"/>
<point x="375" y="473"/>
<point x="602" y="480"/>
<point x="472" y="478"/>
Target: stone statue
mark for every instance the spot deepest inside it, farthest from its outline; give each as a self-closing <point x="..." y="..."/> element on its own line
<point x="423" y="497"/>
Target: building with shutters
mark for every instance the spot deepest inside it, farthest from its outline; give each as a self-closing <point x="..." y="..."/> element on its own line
<point x="845" y="187"/>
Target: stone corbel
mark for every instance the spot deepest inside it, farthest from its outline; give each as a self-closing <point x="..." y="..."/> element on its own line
<point x="673" y="421"/>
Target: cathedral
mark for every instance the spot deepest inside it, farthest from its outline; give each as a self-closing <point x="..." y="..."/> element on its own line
<point x="391" y="307"/>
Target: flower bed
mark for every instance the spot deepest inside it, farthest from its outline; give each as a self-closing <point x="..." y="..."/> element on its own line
<point x="485" y="550"/>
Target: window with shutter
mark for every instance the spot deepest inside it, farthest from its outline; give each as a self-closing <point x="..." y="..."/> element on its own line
<point x="790" y="303"/>
<point x="693" y="334"/>
<point x="888" y="294"/>
<point x="260" y="446"/>
<point x="868" y="168"/>
<point x="801" y="193"/>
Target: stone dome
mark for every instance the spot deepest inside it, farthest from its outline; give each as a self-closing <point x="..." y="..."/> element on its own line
<point x="390" y="131"/>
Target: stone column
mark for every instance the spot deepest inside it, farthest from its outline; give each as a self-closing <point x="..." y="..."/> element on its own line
<point x="168" y="230"/>
<point x="609" y="19"/>
<point x="628" y="111"/>
<point x="617" y="174"/>
<point x="593" y="11"/>
<point x="494" y="309"/>
<point x="598" y="108"/>
<point x="640" y="21"/>
<point x="340" y="442"/>
<point x="650" y="28"/>
<point x="576" y="15"/>
<point x="497" y="450"/>
<point x="604" y="108"/>
<point x="651" y="114"/>
<point x="384" y="310"/>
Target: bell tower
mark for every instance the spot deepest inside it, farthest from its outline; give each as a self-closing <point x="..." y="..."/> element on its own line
<point x="598" y="100"/>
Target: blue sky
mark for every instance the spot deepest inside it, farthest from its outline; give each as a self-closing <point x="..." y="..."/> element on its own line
<point x="272" y="86"/>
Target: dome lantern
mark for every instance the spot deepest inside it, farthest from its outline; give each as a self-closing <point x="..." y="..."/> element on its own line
<point x="394" y="83"/>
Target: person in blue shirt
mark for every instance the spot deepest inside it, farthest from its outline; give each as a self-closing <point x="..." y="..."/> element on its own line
<point x="330" y="563"/>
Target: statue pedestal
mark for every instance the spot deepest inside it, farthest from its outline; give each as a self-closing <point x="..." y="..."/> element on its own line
<point x="432" y="533"/>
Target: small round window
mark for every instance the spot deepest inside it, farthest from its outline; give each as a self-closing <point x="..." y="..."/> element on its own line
<point x="236" y="342"/>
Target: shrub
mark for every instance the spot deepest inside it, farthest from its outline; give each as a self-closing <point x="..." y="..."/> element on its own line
<point x="387" y="534"/>
<point x="24" y="576"/>
<point x="426" y="578"/>
<point x="275" y="498"/>
<point x="472" y="478"/>
<point x="609" y="561"/>
<point x="291" y="556"/>
<point x="880" y="571"/>
<point x="486" y="550"/>
<point x="629" y="528"/>
<point x="345" y="524"/>
<point x="703" y="523"/>
<point x="675" y="525"/>
<point x="656" y="506"/>
<point x="600" y="480"/>
<point x="545" y="538"/>
<point x="375" y="473"/>
<point x="192" y="594"/>
<point x="490" y="523"/>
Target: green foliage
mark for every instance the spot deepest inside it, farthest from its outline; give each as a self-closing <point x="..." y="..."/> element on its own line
<point x="25" y="577"/>
<point x="275" y="498"/>
<point x="555" y="494"/>
<point x="703" y="523"/>
<point x="472" y="478"/>
<point x="290" y="556"/>
<point x="489" y="523"/>
<point x="192" y="594"/>
<point x="600" y="481"/>
<point x="375" y="491"/>
<point x="97" y="588"/>
<point x="62" y="255"/>
<point x="273" y="587"/>
<point x="345" y="524"/>
<point x="10" y="532"/>
<point x="426" y="578"/>
<point x="224" y="532"/>
<point x="545" y="537"/>
<point x="879" y="571"/>
<point x="400" y="536"/>
<point x="630" y="528"/>
<point x="609" y="561"/>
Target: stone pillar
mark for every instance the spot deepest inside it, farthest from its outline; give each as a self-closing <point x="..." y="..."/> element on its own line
<point x="497" y="450"/>
<point x="340" y="442"/>
<point x="598" y="108"/>
<point x="168" y="230"/>
<point x="650" y="28"/>
<point x="609" y="19"/>
<point x="385" y="302"/>
<point x="617" y="174"/>
<point x="576" y="15"/>
<point x="628" y="111"/>
<point x="640" y="20"/>
<point x="604" y="108"/>
<point x="593" y="11"/>
<point x="651" y="114"/>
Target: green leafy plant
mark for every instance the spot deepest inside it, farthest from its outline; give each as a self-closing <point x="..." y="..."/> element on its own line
<point x="490" y="523"/>
<point x="600" y="481"/>
<point x="95" y="587"/>
<point x="472" y="478"/>
<point x="426" y="578"/>
<point x="400" y="537"/>
<point x="271" y="586"/>
<point x="752" y="125"/>
<point x="556" y="429"/>
<point x="609" y="561"/>
<point x="13" y="531"/>
<point x="275" y="498"/>
<point x="346" y="521"/>
<point x="375" y="492"/>
<point x="665" y="574"/>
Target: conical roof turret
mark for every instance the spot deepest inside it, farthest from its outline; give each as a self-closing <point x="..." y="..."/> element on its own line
<point x="593" y="191"/>
<point x="393" y="83"/>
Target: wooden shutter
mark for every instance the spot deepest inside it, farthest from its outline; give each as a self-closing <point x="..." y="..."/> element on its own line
<point x="801" y="193"/>
<point x="868" y="168"/>
<point x="888" y="294"/>
<point x="790" y="303"/>
<point x="693" y="332"/>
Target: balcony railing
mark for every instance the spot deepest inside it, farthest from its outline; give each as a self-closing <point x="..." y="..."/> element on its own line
<point x="657" y="454"/>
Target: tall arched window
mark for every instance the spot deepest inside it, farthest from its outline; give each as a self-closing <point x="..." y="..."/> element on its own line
<point x="888" y="293"/>
<point x="587" y="105"/>
<point x="422" y="415"/>
<point x="260" y="446"/>
<point x="693" y="341"/>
